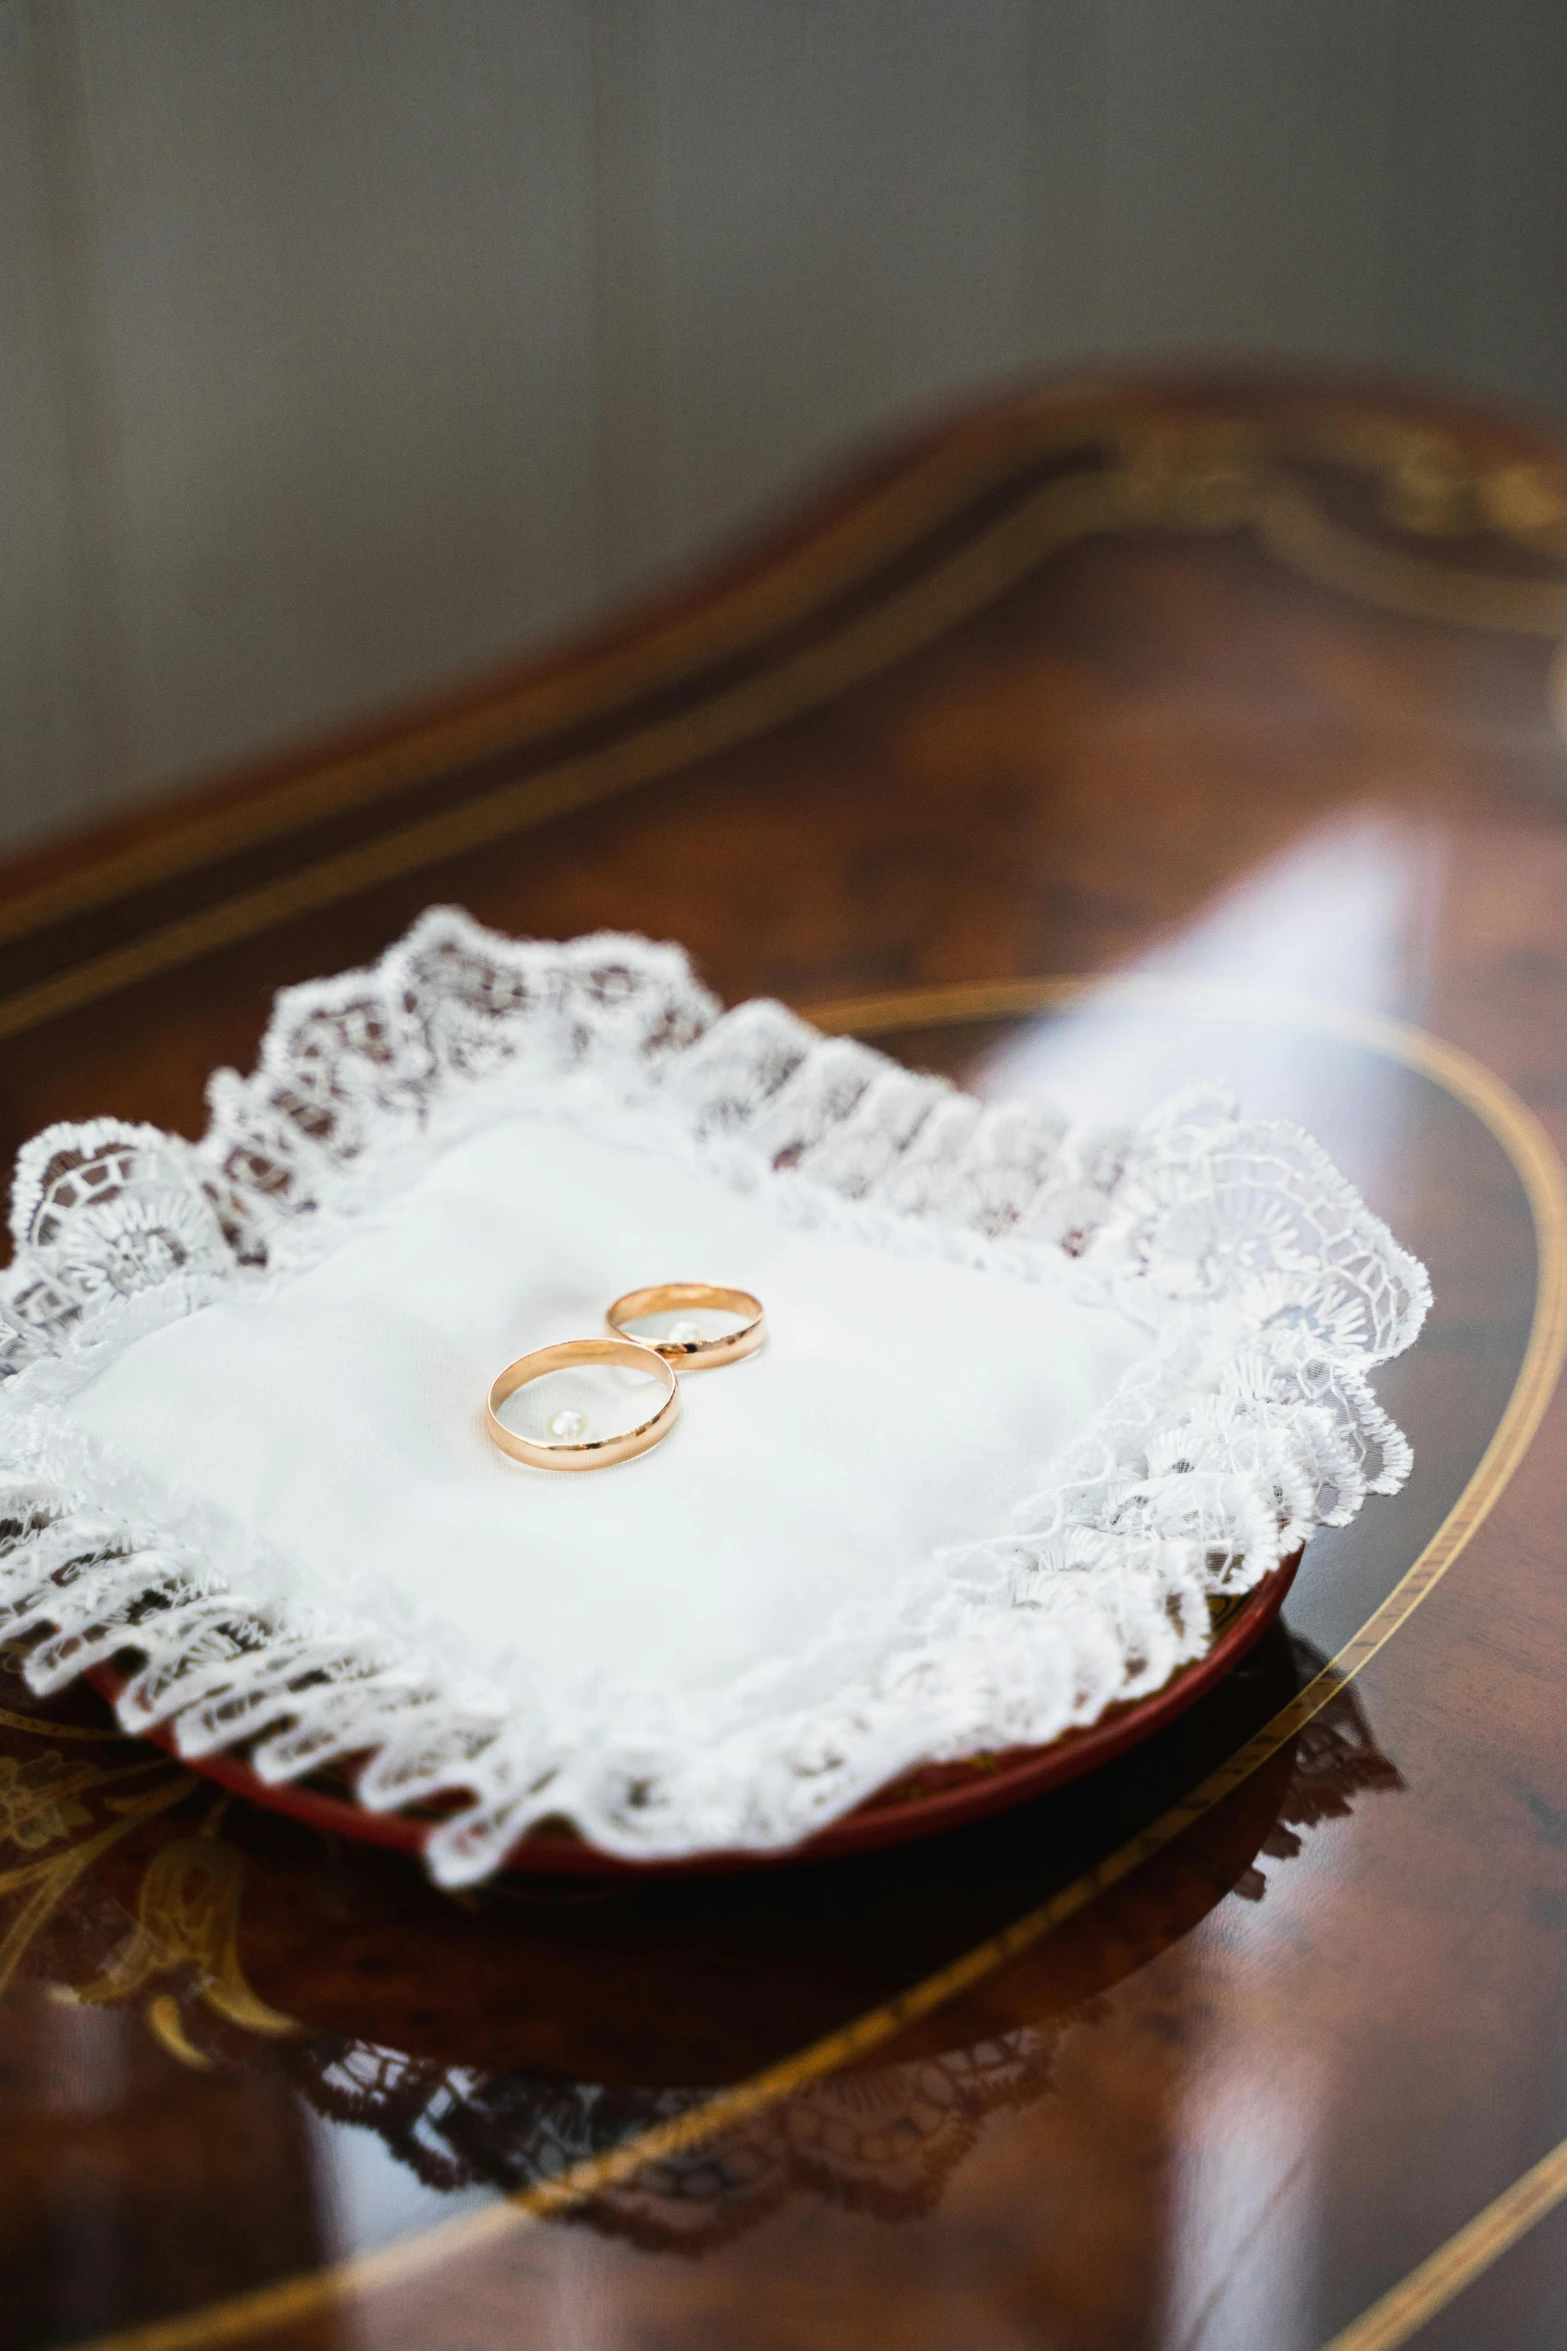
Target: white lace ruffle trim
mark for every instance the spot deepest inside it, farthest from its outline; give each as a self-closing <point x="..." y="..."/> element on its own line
<point x="1269" y="1290"/>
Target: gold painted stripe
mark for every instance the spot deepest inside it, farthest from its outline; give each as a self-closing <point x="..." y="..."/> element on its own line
<point x="1467" y="2254"/>
<point x="39" y="1727"/>
<point x="1540" y="1171"/>
<point x="1298" y="534"/>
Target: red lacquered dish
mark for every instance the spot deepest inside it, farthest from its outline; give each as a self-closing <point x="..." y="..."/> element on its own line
<point x="935" y="1797"/>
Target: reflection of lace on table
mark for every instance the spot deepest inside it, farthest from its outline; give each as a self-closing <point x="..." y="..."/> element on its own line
<point x="883" y="2141"/>
<point x="1269" y="1287"/>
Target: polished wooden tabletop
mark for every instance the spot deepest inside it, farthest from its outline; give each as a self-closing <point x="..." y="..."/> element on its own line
<point x="1114" y="736"/>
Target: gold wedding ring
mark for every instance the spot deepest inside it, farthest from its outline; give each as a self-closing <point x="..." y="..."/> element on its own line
<point x="584" y="1453"/>
<point x="689" y="1351"/>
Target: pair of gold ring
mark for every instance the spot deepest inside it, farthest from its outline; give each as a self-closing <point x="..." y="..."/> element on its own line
<point x="682" y="1348"/>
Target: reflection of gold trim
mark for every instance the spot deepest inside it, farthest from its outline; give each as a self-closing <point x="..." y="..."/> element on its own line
<point x="167" y="2028"/>
<point x="51" y="1880"/>
<point x="1192" y="473"/>
<point x="40" y="1801"/>
<point x="187" y="1915"/>
<point x="1539" y="1170"/>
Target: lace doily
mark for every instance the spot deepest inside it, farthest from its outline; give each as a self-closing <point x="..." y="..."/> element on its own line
<point x="1266" y="1289"/>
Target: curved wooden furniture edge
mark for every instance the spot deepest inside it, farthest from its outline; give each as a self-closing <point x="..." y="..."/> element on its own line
<point x="900" y="486"/>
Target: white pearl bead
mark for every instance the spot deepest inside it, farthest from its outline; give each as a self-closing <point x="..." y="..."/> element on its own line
<point x="568" y="1427"/>
<point x="685" y="1334"/>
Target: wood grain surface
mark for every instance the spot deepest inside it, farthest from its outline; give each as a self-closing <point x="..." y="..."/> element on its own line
<point x="1104" y="740"/>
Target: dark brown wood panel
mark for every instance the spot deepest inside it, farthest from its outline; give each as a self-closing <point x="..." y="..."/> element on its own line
<point x="1233" y="687"/>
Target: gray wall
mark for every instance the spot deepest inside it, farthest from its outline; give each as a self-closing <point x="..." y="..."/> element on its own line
<point x="346" y="343"/>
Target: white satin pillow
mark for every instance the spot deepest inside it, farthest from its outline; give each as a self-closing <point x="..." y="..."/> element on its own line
<point x="901" y="1404"/>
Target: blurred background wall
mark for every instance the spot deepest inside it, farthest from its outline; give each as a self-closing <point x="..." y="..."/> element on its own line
<point x="348" y="343"/>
